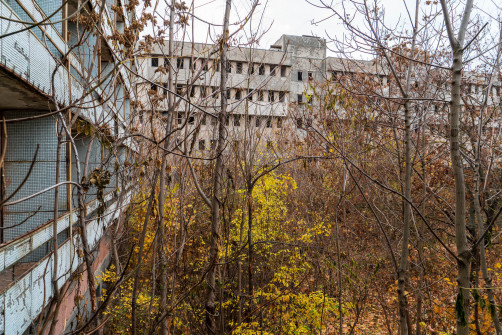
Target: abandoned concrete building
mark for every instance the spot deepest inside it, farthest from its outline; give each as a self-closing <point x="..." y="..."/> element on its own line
<point x="263" y="84"/>
<point x="269" y="91"/>
<point x="47" y="71"/>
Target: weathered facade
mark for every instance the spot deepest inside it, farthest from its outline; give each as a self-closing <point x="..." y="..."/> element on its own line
<point x="60" y="78"/>
<point x="270" y="91"/>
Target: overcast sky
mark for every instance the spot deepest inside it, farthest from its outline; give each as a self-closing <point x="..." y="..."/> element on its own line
<point x="292" y="17"/>
<point x="299" y="17"/>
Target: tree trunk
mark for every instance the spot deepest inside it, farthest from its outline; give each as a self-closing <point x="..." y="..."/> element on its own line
<point x="218" y="172"/>
<point x="463" y="252"/>
<point x="162" y="182"/>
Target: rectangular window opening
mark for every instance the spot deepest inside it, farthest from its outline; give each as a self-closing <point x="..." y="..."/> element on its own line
<point x="261" y="70"/>
<point x="271" y="96"/>
<point x="283" y="71"/>
<point x="269" y="122"/>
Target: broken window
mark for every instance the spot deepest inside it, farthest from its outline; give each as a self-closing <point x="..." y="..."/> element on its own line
<point x="260" y="95"/>
<point x="269" y="122"/>
<point x="238" y="95"/>
<point x="179" y="63"/>
<point x="311" y="76"/>
<point x="281" y="96"/>
<point x="271" y="96"/>
<point x="272" y="70"/>
<point x="261" y="70"/>
<point x="215" y="93"/>
<point x="283" y="71"/>
<point x="238" y="68"/>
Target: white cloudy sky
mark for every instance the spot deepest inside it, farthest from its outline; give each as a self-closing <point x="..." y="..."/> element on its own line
<point x="299" y="17"/>
<point x="293" y="17"/>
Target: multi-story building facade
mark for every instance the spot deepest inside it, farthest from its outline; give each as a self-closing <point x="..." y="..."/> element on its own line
<point x="261" y="83"/>
<point x="64" y="98"/>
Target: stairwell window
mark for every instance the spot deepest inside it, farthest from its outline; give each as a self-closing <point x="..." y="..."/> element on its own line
<point x="300" y="76"/>
<point x="238" y="68"/>
<point x="279" y="122"/>
<point x="202" y="145"/>
<point x="299" y="98"/>
<point x="281" y="96"/>
<point x="155" y="61"/>
<point x="311" y="76"/>
<point x="238" y="94"/>
<point x="237" y="120"/>
<point x="260" y="95"/>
